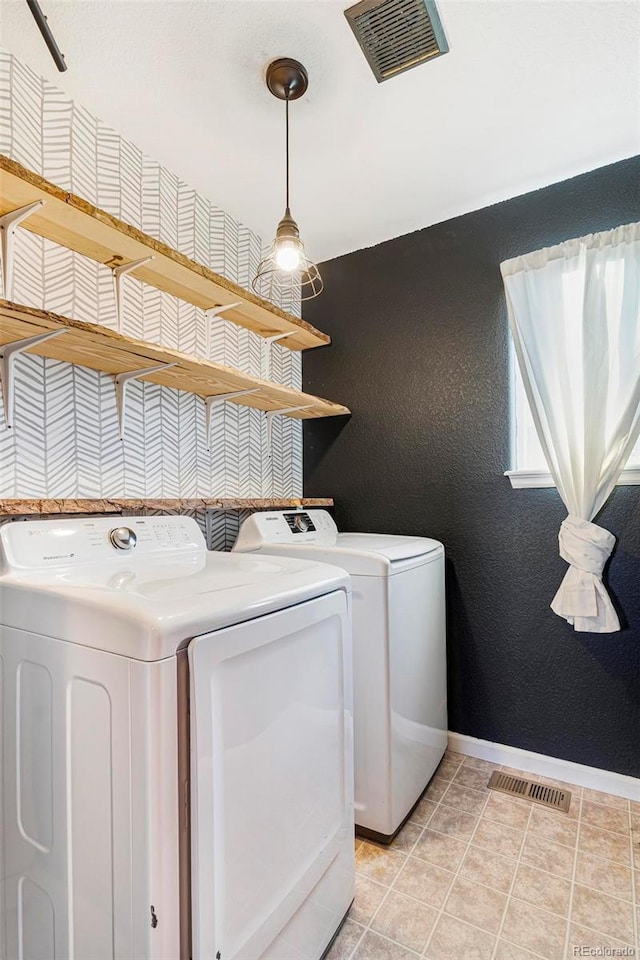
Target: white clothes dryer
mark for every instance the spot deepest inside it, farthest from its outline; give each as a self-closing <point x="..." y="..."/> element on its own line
<point x="399" y="648"/>
<point x="176" y="776"/>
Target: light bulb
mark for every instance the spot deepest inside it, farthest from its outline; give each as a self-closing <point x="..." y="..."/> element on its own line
<point x="287" y="257"/>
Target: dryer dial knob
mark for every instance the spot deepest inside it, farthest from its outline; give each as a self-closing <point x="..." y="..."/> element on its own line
<point x="301" y="523"/>
<point x="123" y="538"/>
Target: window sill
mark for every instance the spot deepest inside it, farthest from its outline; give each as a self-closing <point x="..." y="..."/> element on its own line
<point x="521" y="479"/>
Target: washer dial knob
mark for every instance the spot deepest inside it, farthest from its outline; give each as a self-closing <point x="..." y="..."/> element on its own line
<point x="301" y="522"/>
<point x="123" y="538"/>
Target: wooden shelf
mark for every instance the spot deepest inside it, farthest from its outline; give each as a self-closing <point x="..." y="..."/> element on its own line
<point x="100" y="348"/>
<point x="78" y="225"/>
<point x="35" y="507"/>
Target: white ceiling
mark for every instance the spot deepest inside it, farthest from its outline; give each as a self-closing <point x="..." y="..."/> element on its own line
<point x="532" y="92"/>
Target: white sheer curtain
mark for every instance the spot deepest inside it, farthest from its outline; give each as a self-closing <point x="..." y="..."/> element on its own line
<point x="574" y="312"/>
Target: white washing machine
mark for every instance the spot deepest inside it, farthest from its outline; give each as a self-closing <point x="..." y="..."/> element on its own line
<point x="176" y="746"/>
<point x="399" y="654"/>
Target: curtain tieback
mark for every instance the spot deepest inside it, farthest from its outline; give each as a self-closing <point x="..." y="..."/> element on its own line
<point x="585" y="545"/>
<point x="582" y="599"/>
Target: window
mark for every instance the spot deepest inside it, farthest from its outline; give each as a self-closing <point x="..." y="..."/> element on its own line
<point x="574" y="312"/>
<point x="529" y="464"/>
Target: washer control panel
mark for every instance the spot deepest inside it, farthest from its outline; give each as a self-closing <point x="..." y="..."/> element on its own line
<point x="50" y="543"/>
<point x="300" y="522"/>
<point x="290" y="526"/>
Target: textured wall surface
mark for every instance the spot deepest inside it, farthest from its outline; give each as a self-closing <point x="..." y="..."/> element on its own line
<point x="65" y="440"/>
<point x="420" y="354"/>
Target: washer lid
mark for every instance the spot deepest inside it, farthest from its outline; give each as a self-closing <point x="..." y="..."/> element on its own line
<point x="392" y="547"/>
<point x="143" y="605"/>
<point x="360" y="554"/>
<point x="313" y="533"/>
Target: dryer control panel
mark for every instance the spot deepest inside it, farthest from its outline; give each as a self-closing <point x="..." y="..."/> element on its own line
<point x="287" y="526"/>
<point x="40" y="544"/>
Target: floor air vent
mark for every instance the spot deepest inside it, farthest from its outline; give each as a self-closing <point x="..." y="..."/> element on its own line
<point x="528" y="790"/>
<point x="396" y="35"/>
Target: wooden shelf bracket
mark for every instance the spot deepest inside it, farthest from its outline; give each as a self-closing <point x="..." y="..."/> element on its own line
<point x="279" y="413"/>
<point x="8" y="354"/>
<point x="118" y="273"/>
<point x="8" y="223"/>
<point x="122" y="380"/>
<point x="211" y="402"/>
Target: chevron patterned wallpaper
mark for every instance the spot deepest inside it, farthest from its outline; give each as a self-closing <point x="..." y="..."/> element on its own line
<point x="65" y="441"/>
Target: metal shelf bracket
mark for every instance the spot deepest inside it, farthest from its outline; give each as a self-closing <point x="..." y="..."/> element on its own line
<point x="279" y="413"/>
<point x="211" y="402"/>
<point x="123" y="379"/>
<point x="8" y="223"/>
<point x="118" y="273"/>
<point x="211" y="314"/>
<point x="266" y="353"/>
<point x="8" y="354"/>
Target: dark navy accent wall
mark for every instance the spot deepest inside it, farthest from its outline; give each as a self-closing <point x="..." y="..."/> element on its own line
<point x="420" y="354"/>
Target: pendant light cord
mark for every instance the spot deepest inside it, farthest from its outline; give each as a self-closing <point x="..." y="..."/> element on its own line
<point x="287" y="148"/>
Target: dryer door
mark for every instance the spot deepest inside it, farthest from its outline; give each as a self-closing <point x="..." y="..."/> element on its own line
<point x="271" y="772"/>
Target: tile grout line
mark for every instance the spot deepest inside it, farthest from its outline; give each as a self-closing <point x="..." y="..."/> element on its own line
<point x="457" y="872"/>
<point x="559" y="876"/>
<point x="367" y="927"/>
<point x="498" y="935"/>
<point x="634" y="884"/>
<point x="574" y="871"/>
<point x="364" y="930"/>
<point x="357" y="943"/>
<point x="408" y="854"/>
<point x="604" y="893"/>
<point x="515" y="860"/>
<point x="454" y="875"/>
<point x="389" y="889"/>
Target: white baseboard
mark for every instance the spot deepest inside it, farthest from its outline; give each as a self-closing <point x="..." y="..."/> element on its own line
<point x="577" y="773"/>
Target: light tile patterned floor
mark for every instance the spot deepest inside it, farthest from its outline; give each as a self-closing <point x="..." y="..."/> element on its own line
<point x="476" y="875"/>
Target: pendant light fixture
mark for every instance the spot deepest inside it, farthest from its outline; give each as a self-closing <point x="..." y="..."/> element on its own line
<point x="286" y="274"/>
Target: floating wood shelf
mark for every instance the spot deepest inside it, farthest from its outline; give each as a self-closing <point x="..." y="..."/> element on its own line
<point x="39" y="507"/>
<point x="78" y="225"/>
<point x="92" y="345"/>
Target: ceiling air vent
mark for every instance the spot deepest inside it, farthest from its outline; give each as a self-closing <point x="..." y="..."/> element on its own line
<point x="396" y="35"/>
